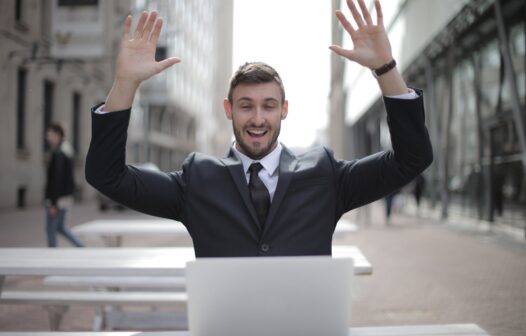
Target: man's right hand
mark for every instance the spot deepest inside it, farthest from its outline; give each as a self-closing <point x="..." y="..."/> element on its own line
<point x="136" y="61"/>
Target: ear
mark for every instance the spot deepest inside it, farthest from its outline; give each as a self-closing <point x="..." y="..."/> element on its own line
<point x="228" y="108"/>
<point x="285" y="110"/>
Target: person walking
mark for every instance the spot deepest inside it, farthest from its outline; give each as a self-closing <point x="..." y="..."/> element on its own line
<point x="60" y="185"/>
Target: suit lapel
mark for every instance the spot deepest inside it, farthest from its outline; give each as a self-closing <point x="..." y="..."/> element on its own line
<point x="235" y="167"/>
<point x="287" y="165"/>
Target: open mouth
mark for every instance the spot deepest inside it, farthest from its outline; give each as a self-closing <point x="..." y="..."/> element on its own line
<point x="257" y="133"/>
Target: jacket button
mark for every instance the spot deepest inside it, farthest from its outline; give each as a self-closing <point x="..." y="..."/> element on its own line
<point x="265" y="247"/>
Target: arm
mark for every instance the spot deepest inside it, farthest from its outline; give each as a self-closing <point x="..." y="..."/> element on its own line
<point x="154" y="193"/>
<point x="373" y="177"/>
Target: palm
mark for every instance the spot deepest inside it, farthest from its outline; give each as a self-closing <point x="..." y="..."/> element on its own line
<point x="371" y="45"/>
<point x="136" y="61"/>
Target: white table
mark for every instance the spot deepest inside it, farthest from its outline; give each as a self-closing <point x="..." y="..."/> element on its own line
<point x="112" y="231"/>
<point x="422" y="330"/>
<point x="145" y="261"/>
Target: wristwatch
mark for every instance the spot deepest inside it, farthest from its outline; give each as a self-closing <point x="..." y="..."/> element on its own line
<point x="383" y="69"/>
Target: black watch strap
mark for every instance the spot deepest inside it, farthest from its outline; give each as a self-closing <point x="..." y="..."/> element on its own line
<point x="383" y="69"/>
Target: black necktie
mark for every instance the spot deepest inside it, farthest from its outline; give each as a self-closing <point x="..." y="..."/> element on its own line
<point x="258" y="193"/>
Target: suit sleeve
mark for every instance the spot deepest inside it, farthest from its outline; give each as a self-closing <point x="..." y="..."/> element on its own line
<point x="373" y="177"/>
<point x="152" y="192"/>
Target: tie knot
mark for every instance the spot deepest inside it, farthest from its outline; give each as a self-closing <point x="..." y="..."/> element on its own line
<point x="255" y="167"/>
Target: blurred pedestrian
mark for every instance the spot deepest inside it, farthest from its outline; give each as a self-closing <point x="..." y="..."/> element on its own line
<point x="418" y="188"/>
<point x="60" y="185"/>
<point x="389" y="200"/>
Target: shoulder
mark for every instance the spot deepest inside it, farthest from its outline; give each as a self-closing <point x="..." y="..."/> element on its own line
<point x="315" y="159"/>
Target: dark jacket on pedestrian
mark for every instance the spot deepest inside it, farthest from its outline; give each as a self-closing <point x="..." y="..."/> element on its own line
<point x="60" y="181"/>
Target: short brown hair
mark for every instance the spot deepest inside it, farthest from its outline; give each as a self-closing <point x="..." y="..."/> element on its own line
<point x="57" y="128"/>
<point x="255" y="73"/>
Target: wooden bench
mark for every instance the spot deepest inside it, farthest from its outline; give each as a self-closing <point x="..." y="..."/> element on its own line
<point x="57" y="303"/>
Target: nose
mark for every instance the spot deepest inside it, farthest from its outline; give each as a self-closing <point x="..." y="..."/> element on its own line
<point x="258" y="118"/>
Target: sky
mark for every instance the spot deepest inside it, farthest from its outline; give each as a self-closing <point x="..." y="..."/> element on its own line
<point x="293" y="37"/>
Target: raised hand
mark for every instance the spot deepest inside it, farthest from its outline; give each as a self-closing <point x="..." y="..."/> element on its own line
<point x="370" y="41"/>
<point x="136" y="61"/>
<point x="371" y="47"/>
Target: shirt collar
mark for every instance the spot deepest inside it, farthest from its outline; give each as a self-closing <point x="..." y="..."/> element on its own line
<point x="270" y="162"/>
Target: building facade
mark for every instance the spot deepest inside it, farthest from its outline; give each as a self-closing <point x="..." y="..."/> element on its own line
<point x="469" y="57"/>
<point x="38" y="87"/>
<point x="57" y="60"/>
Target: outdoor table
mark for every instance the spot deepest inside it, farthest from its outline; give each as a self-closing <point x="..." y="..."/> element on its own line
<point x="144" y="261"/>
<point x="112" y="231"/>
<point x="420" y="330"/>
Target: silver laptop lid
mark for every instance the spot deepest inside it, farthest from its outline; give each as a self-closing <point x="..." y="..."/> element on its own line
<point x="269" y="296"/>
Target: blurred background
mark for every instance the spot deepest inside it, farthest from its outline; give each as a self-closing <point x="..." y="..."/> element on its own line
<point x="57" y="60"/>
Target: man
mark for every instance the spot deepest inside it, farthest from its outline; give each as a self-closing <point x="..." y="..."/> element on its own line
<point x="60" y="185"/>
<point x="260" y="200"/>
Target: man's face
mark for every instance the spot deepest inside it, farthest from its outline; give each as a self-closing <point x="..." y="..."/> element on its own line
<point x="256" y="113"/>
<point x="53" y="138"/>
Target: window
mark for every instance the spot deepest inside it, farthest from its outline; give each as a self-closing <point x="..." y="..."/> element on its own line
<point x="76" y="109"/>
<point x="21" y="14"/>
<point x="49" y="89"/>
<point x="21" y="109"/>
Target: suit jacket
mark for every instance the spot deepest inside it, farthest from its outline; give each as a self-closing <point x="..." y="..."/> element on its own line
<point x="210" y="195"/>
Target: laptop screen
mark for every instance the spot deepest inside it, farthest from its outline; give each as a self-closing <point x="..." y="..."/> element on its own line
<point x="269" y="296"/>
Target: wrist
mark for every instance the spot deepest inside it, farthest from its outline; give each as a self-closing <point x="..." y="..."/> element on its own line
<point x="384" y="68"/>
<point x="121" y="95"/>
<point x="391" y="83"/>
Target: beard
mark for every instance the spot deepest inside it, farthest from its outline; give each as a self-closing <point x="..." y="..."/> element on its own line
<point x="258" y="150"/>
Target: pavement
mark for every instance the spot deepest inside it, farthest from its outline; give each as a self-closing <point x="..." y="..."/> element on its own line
<point x="424" y="271"/>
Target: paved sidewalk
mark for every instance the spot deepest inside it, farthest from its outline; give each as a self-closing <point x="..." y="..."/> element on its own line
<point x="424" y="273"/>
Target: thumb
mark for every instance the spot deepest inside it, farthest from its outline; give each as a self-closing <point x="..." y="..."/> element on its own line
<point x="166" y="63"/>
<point x="349" y="54"/>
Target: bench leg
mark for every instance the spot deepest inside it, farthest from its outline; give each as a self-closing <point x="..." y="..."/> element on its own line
<point x="55" y="313"/>
<point x="99" y="322"/>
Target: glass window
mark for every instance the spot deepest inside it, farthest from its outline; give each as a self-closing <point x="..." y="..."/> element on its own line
<point x="490" y="77"/>
<point x="21" y="108"/>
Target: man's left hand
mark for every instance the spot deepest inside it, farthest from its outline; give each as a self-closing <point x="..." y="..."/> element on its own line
<point x="371" y="44"/>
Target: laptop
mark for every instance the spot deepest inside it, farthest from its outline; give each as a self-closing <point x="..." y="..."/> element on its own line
<point x="278" y="296"/>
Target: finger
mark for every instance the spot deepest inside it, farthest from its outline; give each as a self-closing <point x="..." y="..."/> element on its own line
<point x="156" y="31"/>
<point x="342" y="52"/>
<point x="365" y="12"/>
<point x="355" y="13"/>
<point x="149" y="25"/>
<point x="140" y="25"/>
<point x="379" y="14"/>
<point x="166" y="63"/>
<point x="127" y="26"/>
<point x="345" y="23"/>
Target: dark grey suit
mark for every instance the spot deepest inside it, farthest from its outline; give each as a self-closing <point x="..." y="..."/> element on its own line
<point x="210" y="195"/>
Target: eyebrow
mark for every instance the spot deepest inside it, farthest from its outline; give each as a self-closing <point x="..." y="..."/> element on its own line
<point x="250" y="99"/>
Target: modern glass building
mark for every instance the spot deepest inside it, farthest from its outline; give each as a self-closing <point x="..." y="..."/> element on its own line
<point x="469" y="58"/>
